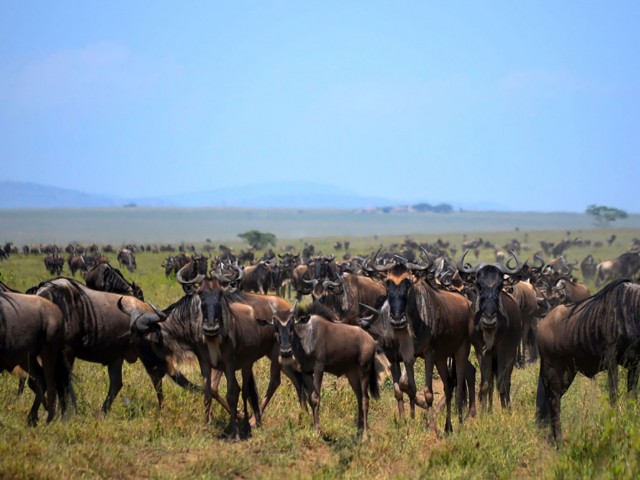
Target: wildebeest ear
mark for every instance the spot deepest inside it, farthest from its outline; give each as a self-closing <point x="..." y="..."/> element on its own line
<point x="302" y="319"/>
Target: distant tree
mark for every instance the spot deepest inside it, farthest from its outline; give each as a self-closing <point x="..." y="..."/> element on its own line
<point x="258" y="239"/>
<point x="603" y="215"/>
<point x="440" y="208"/>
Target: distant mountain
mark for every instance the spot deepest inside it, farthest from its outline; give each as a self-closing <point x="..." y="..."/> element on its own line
<point x="32" y="195"/>
<point x="267" y="195"/>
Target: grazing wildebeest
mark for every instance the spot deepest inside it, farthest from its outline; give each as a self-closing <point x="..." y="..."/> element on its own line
<point x="316" y="345"/>
<point x="591" y="336"/>
<point x="31" y="328"/>
<point x="127" y="258"/>
<point x="429" y="323"/>
<point x="95" y="330"/>
<point x="105" y="278"/>
<point x="497" y="327"/>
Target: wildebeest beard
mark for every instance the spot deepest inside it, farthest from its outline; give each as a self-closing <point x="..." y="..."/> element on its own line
<point x="397" y="296"/>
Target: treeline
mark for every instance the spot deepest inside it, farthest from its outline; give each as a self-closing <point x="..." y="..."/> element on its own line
<point x="419" y="207"/>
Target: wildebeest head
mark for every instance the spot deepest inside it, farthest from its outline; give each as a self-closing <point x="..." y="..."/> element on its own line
<point x="212" y="304"/>
<point x="284" y="323"/>
<point x="143" y="324"/>
<point x="489" y="280"/>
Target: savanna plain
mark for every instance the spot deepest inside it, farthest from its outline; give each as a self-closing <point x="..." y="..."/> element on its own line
<point x="136" y="440"/>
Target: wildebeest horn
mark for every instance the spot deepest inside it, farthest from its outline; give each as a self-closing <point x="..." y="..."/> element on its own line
<point x="182" y="281"/>
<point x="370" y="308"/>
<point x="312" y="282"/>
<point x="462" y="267"/>
<point x="329" y="284"/>
<point x="538" y="258"/>
<point x="143" y="322"/>
<point x="160" y="313"/>
<point x="510" y="271"/>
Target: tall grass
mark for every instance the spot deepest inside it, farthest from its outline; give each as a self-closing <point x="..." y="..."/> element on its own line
<point x="137" y="441"/>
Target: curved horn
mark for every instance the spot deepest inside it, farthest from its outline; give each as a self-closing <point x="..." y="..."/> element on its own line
<point x="510" y="271"/>
<point x="143" y="322"/>
<point x="180" y="280"/>
<point x="461" y="266"/>
<point x="371" y="309"/>
<point x="312" y="282"/>
<point x="329" y="284"/>
<point x="538" y="258"/>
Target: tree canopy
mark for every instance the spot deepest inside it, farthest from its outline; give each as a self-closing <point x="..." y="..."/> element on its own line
<point x="258" y="239"/>
<point x="604" y="215"/>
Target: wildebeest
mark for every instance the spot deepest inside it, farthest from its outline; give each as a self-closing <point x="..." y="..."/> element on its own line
<point x="567" y="291"/>
<point x="31" y="328"/>
<point x="76" y="262"/>
<point x="316" y="345"/>
<point x="625" y="265"/>
<point x="588" y="268"/>
<point x="347" y="292"/>
<point x="592" y="336"/>
<point x="95" y="330"/>
<point x="234" y="340"/>
<point x="105" y="278"/>
<point x="127" y="258"/>
<point x="54" y="263"/>
<point x="429" y="323"/>
<point x="497" y="327"/>
<point x="257" y="278"/>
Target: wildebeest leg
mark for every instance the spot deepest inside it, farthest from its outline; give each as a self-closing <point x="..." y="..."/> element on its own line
<point x="486" y="374"/>
<point x="36" y="387"/>
<point x="357" y="388"/>
<point x="115" y="383"/>
<point x="428" y="388"/>
<point x="298" y="383"/>
<point x="443" y="370"/>
<point x="156" y="379"/>
<point x="250" y="394"/>
<point x="49" y="355"/>
<point x="274" y="379"/>
<point x="233" y="392"/>
<point x="318" y="372"/>
<point x="412" y="386"/>
<point x="506" y="362"/>
<point x="211" y="379"/>
<point x="470" y="379"/>
<point x="21" y="383"/>
<point x="395" y="375"/>
<point x="461" y="360"/>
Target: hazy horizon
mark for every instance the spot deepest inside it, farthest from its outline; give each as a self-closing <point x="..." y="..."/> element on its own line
<point x="534" y="106"/>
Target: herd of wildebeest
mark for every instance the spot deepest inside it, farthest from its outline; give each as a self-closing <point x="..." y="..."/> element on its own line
<point x="358" y="316"/>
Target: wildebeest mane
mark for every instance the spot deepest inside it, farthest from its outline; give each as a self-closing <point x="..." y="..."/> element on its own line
<point x="315" y="308"/>
<point x="588" y="305"/>
<point x="427" y="305"/>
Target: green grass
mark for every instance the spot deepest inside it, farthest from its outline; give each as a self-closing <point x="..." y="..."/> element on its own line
<point x="137" y="441"/>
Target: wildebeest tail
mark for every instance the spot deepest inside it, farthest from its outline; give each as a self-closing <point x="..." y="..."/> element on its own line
<point x="62" y="378"/>
<point x="380" y="371"/>
<point x="543" y="407"/>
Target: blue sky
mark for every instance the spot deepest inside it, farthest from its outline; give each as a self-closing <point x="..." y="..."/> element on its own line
<point x="533" y="105"/>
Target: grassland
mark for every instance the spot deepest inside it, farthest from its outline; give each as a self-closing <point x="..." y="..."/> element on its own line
<point x="137" y="441"/>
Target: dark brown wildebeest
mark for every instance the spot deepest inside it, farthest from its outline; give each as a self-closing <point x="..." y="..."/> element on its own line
<point x="429" y="323"/>
<point x="588" y="268"/>
<point x="217" y="307"/>
<point x="54" y="263"/>
<point x="31" y="328"/>
<point x="301" y="279"/>
<point x="316" y="345"/>
<point x="497" y="327"/>
<point x="127" y="258"/>
<point x="95" y="330"/>
<point x="592" y="336"/>
<point x="257" y="278"/>
<point x="526" y="298"/>
<point x="105" y="278"/>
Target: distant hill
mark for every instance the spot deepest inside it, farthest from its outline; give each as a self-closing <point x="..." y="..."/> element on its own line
<point x="267" y="195"/>
<point x="32" y="195"/>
